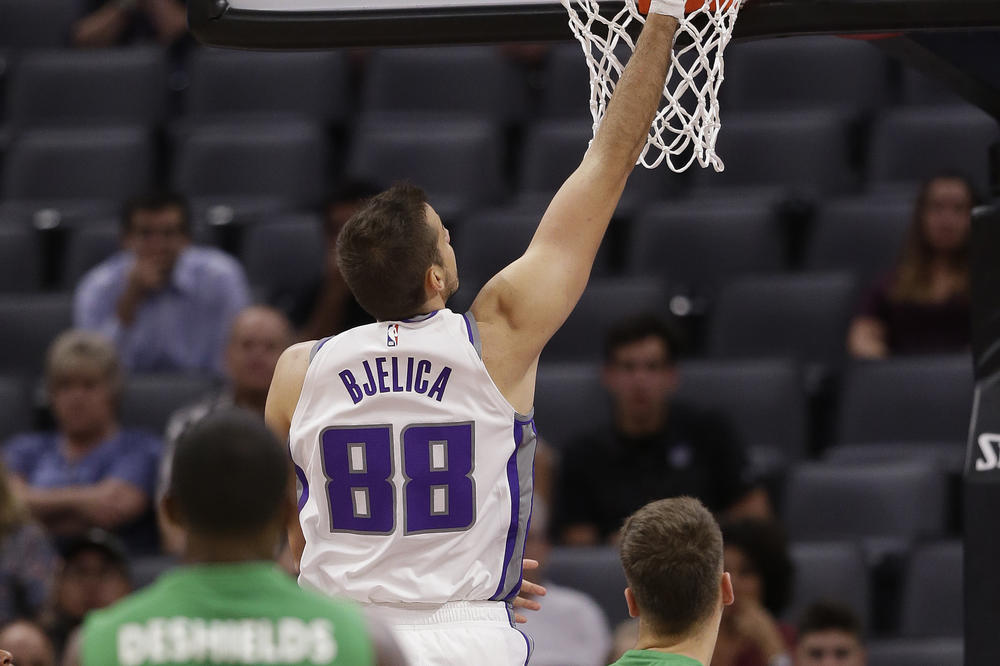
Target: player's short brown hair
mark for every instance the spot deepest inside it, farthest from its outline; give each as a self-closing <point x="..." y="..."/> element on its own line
<point x="384" y="252"/>
<point x="671" y="551"/>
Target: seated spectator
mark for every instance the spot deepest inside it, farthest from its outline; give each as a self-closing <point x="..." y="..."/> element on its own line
<point x="94" y="574"/>
<point x="165" y="304"/>
<point x="756" y="555"/>
<point x="26" y="558"/>
<point x="671" y="551"/>
<point x="258" y="337"/>
<point x="656" y="447"/>
<point x="327" y="306"/>
<point x="117" y="22"/>
<point x="89" y="471"/>
<point x="830" y="635"/>
<point x="923" y="305"/>
<point x="28" y="643"/>
<point x="570" y="628"/>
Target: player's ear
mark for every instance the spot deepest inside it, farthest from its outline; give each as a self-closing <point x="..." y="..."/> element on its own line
<point x="728" y="595"/>
<point x="633" y="607"/>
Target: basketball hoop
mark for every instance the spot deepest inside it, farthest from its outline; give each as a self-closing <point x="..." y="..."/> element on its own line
<point x="687" y="124"/>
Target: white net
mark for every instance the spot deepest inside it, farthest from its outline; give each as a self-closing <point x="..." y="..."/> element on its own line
<point x="687" y="123"/>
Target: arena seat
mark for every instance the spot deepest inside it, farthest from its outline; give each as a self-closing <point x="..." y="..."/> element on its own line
<point x="595" y="571"/>
<point x="15" y="407"/>
<point x="287" y="252"/>
<point x="567" y="83"/>
<point x="28" y="324"/>
<point x="228" y="84"/>
<point x="569" y="401"/>
<point x="891" y="501"/>
<point x="949" y="457"/>
<point x="87" y="246"/>
<point x="285" y="160"/>
<point x="932" y="600"/>
<point x="20" y="259"/>
<point x="122" y="86"/>
<point x="454" y="80"/>
<point x="149" y="400"/>
<point x="915" y="652"/>
<point x="830" y="571"/>
<point x="916" y="399"/>
<point x="36" y="24"/>
<point x="921" y="90"/>
<point x="89" y="164"/>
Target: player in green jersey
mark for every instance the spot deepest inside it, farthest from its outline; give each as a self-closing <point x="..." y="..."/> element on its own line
<point x="672" y="554"/>
<point x="231" y="604"/>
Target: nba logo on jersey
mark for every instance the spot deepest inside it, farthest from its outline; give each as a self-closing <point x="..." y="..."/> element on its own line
<point x="392" y="335"/>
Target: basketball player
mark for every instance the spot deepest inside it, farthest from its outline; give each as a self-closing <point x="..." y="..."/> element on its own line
<point x="229" y="493"/>
<point x="671" y="551"/>
<point x="412" y="437"/>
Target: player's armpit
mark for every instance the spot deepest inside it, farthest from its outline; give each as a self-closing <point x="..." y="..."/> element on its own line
<point x="286" y="386"/>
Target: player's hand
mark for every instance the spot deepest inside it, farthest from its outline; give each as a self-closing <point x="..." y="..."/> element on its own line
<point x="528" y="590"/>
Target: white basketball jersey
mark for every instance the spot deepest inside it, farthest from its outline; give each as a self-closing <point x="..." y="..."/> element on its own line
<point x="415" y="472"/>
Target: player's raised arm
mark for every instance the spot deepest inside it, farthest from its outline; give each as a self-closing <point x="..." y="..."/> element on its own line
<point x="533" y="296"/>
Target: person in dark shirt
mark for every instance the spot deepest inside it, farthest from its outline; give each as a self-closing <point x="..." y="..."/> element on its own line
<point x="923" y="305"/>
<point x="656" y="447"/>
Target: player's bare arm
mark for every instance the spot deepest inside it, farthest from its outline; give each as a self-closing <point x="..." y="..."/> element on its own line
<point x="523" y="305"/>
<point x="286" y="386"/>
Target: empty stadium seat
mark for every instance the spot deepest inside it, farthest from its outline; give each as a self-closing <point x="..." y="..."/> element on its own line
<point x="830" y="571"/>
<point x="932" y="600"/>
<point x="91" y="164"/>
<point x="285" y="253"/>
<point x="596" y="571"/>
<point x="457" y="162"/>
<point x="149" y="400"/>
<point x="15" y="407"/>
<point x="228" y="83"/>
<point x="799" y="316"/>
<point x="20" y="259"/>
<point x="804" y="73"/>
<point x="566" y="92"/>
<point x="697" y="247"/>
<point x="87" y="246"/>
<point x="915" y="652"/>
<point x="949" y="457"/>
<point x="763" y="399"/>
<point x="569" y="401"/>
<point x="284" y="160"/>
<point x="604" y="303"/>
<point x="891" y="501"/>
<point x="51" y="213"/>
<point x="36" y="23"/>
<point x="913" y="144"/>
<point x="921" y="90"/>
<point x="476" y="80"/>
<point x="106" y="86"/>
<point x="917" y="399"/>
<point x="807" y="151"/>
<point x="28" y="324"/>
<point x="863" y="235"/>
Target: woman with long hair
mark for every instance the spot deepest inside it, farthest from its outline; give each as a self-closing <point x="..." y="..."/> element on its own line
<point x="923" y="305"/>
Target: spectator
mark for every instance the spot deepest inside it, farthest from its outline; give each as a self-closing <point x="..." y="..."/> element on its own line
<point x="829" y="635"/>
<point x="26" y="558"/>
<point x="258" y="336"/>
<point x="94" y="574"/>
<point x="923" y="305"/>
<point x="570" y="628"/>
<point x="117" y="22"/>
<point x="327" y="306"/>
<point x="28" y="643"/>
<point x="671" y="551"/>
<point x="166" y="305"/>
<point x="656" y="447"/>
<point x="756" y="554"/>
<point x="89" y="472"/>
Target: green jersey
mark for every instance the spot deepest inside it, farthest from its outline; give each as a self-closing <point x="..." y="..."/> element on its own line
<point x="246" y="613"/>
<point x="654" y="658"/>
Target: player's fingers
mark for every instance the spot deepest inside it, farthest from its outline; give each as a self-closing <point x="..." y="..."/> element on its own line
<point x="529" y="604"/>
<point x="519" y="619"/>
<point x="529" y="563"/>
<point x="532" y="589"/>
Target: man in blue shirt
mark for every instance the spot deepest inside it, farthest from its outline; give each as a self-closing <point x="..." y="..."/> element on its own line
<point x="165" y="304"/>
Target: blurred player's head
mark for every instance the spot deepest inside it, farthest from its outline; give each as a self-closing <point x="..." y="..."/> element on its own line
<point x="396" y="255"/>
<point x="258" y="336"/>
<point x="28" y="643"/>
<point x="671" y="551"/>
<point x="829" y="635"/>
<point x="94" y="573"/>
<point x="83" y="378"/>
<point x="157" y="227"/>
<point x="229" y="487"/>
<point x="639" y="370"/>
<point x="756" y="554"/>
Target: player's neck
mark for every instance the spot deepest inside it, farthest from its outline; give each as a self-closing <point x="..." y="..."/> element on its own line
<point x="698" y="646"/>
<point x="212" y="549"/>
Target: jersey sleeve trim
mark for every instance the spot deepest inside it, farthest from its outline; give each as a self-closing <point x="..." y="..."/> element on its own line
<point x="319" y="345"/>
<point x="473" y="329"/>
